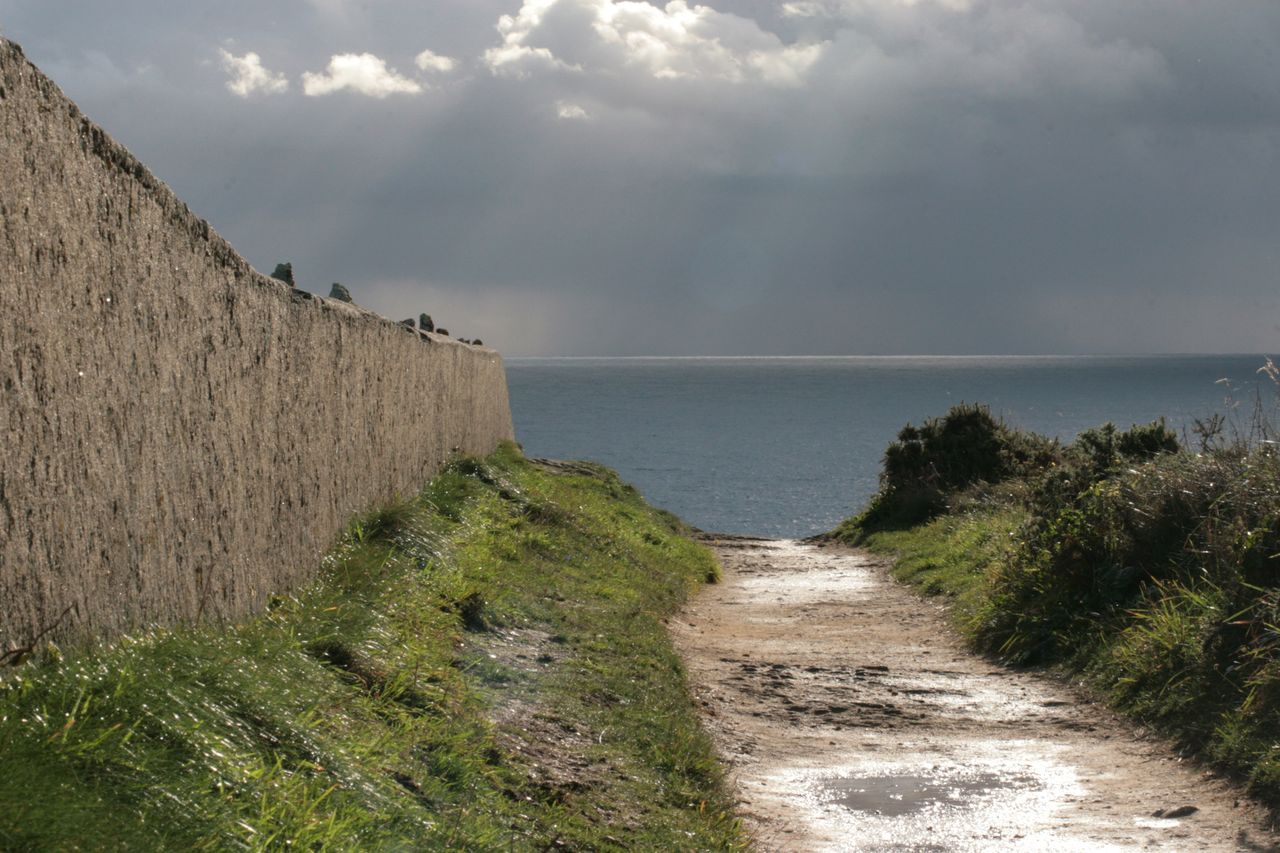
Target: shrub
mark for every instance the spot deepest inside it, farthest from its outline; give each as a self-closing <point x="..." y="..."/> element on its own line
<point x="1103" y="448"/>
<point x="928" y="464"/>
<point x="1092" y="551"/>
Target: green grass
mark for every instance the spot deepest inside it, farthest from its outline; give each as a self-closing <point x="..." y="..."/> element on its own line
<point x="951" y="556"/>
<point x="483" y="667"/>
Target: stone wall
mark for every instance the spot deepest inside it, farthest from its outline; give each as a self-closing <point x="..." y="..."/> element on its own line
<point x="182" y="435"/>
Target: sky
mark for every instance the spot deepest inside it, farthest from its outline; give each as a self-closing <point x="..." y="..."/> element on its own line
<point x="741" y="177"/>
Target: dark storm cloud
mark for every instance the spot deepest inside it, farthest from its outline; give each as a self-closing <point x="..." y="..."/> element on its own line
<point x="747" y="177"/>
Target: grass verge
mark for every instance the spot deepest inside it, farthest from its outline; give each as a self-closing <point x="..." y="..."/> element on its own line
<point x="483" y="667"/>
<point x="951" y="556"/>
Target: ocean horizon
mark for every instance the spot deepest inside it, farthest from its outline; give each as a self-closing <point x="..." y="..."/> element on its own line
<point x="793" y="357"/>
<point x="788" y="446"/>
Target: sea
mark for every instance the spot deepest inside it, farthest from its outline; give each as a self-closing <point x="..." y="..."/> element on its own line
<point x="788" y="447"/>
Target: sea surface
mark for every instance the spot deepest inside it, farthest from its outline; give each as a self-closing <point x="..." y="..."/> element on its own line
<point x="788" y="447"/>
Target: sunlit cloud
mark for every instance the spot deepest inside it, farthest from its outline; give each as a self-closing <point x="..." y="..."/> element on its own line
<point x="568" y="110"/>
<point x="854" y="8"/>
<point x="518" y="60"/>
<point x="429" y="60"/>
<point x="674" y="42"/>
<point x="249" y="77"/>
<point x="362" y="73"/>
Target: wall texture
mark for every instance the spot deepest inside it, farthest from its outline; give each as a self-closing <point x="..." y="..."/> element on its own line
<point x="182" y="435"/>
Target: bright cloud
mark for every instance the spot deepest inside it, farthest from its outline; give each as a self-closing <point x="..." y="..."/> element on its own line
<point x="855" y="8"/>
<point x="517" y="60"/>
<point x="805" y="9"/>
<point x="676" y="41"/>
<point x="567" y="110"/>
<point x="248" y="76"/>
<point x="515" y="57"/>
<point x="788" y="66"/>
<point x="431" y="61"/>
<point x="363" y="73"/>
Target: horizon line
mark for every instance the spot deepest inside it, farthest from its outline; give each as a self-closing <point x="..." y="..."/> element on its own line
<point x="886" y="357"/>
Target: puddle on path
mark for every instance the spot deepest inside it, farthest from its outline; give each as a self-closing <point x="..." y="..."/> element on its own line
<point x="900" y="794"/>
<point x="985" y="795"/>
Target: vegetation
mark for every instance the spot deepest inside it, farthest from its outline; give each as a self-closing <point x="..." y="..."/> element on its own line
<point x="1151" y="571"/>
<point x="946" y="455"/>
<point x="483" y="667"/>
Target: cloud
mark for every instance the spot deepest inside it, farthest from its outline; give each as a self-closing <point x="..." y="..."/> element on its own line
<point x="786" y="67"/>
<point x="517" y="60"/>
<point x="431" y="61"/>
<point x="568" y="110"/>
<point x="806" y="9"/>
<point x="1025" y="52"/>
<point x="857" y="8"/>
<point x="329" y="7"/>
<point x="674" y="42"/>
<point x="515" y="57"/>
<point x="852" y="175"/>
<point x="248" y="76"/>
<point x="363" y="73"/>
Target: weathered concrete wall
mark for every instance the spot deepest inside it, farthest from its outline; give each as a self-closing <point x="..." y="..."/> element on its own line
<point x="182" y="435"/>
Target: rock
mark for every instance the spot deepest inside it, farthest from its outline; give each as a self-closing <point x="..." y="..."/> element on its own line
<point x="339" y="293"/>
<point x="284" y="272"/>
<point x="1180" y="811"/>
<point x="425" y="323"/>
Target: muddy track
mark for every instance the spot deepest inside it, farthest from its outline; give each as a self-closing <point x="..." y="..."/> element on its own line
<point x="853" y="719"/>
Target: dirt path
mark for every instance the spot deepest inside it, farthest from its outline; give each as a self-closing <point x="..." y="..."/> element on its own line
<point x="853" y="719"/>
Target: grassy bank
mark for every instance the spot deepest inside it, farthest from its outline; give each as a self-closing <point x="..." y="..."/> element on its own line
<point x="483" y="667"/>
<point x="1150" y="571"/>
